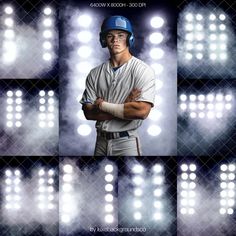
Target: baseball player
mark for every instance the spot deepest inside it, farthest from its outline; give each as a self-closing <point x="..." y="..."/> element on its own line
<point x="119" y="93"/>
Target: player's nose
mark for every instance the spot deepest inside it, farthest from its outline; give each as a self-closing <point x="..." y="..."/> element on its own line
<point x="115" y="38"/>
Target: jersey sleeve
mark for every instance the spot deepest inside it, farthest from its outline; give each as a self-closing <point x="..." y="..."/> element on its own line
<point x="146" y="83"/>
<point x="89" y="95"/>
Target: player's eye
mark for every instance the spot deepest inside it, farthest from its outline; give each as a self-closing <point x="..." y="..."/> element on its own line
<point x="121" y="36"/>
<point x="109" y="36"/>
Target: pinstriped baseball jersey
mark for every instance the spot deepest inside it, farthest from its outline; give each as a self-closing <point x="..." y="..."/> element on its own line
<point x="115" y="87"/>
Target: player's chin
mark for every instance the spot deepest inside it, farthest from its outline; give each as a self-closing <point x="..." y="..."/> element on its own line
<point x="115" y="51"/>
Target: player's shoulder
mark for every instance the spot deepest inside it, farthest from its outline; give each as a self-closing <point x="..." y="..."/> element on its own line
<point x="98" y="68"/>
<point x="140" y="65"/>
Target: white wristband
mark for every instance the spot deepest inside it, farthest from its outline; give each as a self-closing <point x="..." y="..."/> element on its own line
<point x="116" y="110"/>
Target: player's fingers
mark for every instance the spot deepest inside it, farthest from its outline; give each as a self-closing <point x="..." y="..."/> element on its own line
<point x="137" y="93"/>
<point x="136" y="90"/>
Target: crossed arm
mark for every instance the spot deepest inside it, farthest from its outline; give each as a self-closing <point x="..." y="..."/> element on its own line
<point x="132" y="109"/>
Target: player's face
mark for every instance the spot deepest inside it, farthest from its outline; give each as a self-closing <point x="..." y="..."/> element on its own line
<point x="116" y="41"/>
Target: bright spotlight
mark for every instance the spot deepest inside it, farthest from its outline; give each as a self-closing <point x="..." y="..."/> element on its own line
<point x="109" y="168"/>
<point x="80" y="115"/>
<point x="109" y="177"/>
<point x="109" y="218"/>
<point x="189" y="37"/>
<point x="192" y="176"/>
<point x="189" y="27"/>
<point x="155" y="115"/>
<point x="47" y="22"/>
<point x="9" y="93"/>
<point x="199" y="27"/>
<point x="212" y="17"/>
<point x="18" y="124"/>
<point x="189" y="17"/>
<point x="138" y="180"/>
<point x="192" y="97"/>
<point x="41" y="172"/>
<point x="67" y="178"/>
<point x="157" y="216"/>
<point x="222" y="17"/>
<point x="108" y="197"/>
<point x="199" y="47"/>
<point x="192" y="106"/>
<point x="156" y="53"/>
<point x="9" y="22"/>
<point x="84" y="20"/>
<point x="8" y="173"/>
<point x="50" y="93"/>
<point x="47" y="45"/>
<point x="184" y="167"/>
<point x="84" y="51"/>
<point x="42" y="93"/>
<point x="67" y="187"/>
<point x="18" y="101"/>
<point x="84" y="130"/>
<point x="156" y="38"/>
<point x="9" y="124"/>
<point x="184" y="176"/>
<point x="157" y="168"/>
<point x="157" y="180"/>
<point x="137" y="216"/>
<point x="230" y="211"/>
<point x="192" y="167"/>
<point x="109" y="207"/>
<point x="158" y="68"/>
<point x="223" y="56"/>
<point x="9" y="34"/>
<point x="231" y="167"/>
<point x="137" y="169"/>
<point x="47" y="34"/>
<point x="138" y="192"/>
<point x="157" y="22"/>
<point x="183" y="97"/>
<point x="199" y="56"/>
<point x="222" y="27"/>
<point x="50" y="101"/>
<point x="154" y="130"/>
<point x="68" y="168"/>
<point x="47" y="56"/>
<point x="84" y="36"/>
<point x="228" y="106"/>
<point x="189" y="46"/>
<point x="188" y="56"/>
<point x="42" y="101"/>
<point x="65" y="219"/>
<point x="199" y="17"/>
<point x="157" y="204"/>
<point x="84" y="67"/>
<point x="137" y="204"/>
<point x="47" y="11"/>
<point x="8" y="10"/>
<point x="157" y="192"/>
<point x="109" y="187"/>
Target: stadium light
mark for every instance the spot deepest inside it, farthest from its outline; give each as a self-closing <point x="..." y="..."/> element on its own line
<point x="187" y="189"/>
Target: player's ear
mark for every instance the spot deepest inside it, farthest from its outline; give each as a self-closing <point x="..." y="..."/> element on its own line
<point x="102" y="39"/>
<point x="130" y="40"/>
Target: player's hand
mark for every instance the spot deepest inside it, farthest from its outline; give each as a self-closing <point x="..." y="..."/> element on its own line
<point x="98" y="102"/>
<point x="133" y="96"/>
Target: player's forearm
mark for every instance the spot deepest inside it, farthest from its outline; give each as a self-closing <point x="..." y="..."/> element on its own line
<point x="127" y="111"/>
<point x="92" y="113"/>
<point x="136" y="110"/>
<point x="101" y="116"/>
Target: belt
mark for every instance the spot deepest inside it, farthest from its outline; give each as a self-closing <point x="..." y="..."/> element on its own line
<point x="113" y="135"/>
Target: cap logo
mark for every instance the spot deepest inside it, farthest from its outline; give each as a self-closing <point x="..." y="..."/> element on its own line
<point x="120" y="23"/>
